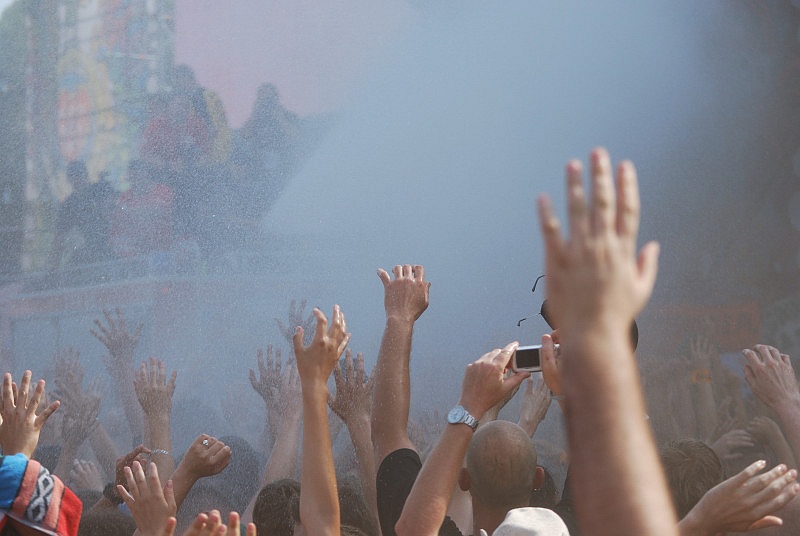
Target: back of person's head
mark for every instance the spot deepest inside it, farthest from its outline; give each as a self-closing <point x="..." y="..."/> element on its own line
<point x="277" y="508"/>
<point x="353" y="510"/>
<point x="203" y="497"/>
<point x="692" y="469"/>
<point x="501" y="465"/>
<point x="240" y="479"/>
<point x="106" y="522"/>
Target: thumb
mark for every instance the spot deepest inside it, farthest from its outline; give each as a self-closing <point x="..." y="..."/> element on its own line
<point x="766" y="521"/>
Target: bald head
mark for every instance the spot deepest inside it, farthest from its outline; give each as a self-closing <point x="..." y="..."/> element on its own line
<point x="501" y="464"/>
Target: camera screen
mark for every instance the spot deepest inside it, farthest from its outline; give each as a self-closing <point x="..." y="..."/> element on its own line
<point x="527" y="358"/>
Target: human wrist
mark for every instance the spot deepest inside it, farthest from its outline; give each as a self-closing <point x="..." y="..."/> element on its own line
<point x="399" y="321"/>
<point x="692" y="524"/>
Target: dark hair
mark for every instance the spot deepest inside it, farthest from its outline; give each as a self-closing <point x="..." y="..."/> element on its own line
<point x="692" y="469"/>
<point x="277" y="508"/>
<point x="353" y="510"/>
<point x="106" y="522"/>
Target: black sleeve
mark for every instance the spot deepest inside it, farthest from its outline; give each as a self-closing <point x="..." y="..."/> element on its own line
<point x="395" y="478"/>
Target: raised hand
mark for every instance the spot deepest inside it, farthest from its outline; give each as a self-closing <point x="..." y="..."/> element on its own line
<point x="353" y="399"/>
<point x="211" y="525"/>
<point x="207" y="456"/>
<point x="80" y="417"/>
<point x="595" y="269"/>
<point x="407" y="295"/>
<point x="316" y="361"/>
<point x="534" y="406"/>
<point x="115" y="336"/>
<point x="69" y="372"/>
<point x="152" y="388"/>
<point x="485" y="383"/>
<point x="771" y="376"/>
<point x="744" y="502"/>
<point x="150" y="505"/>
<point x="729" y="445"/>
<point x="85" y="475"/>
<point x="296" y="318"/>
<point x="267" y="384"/>
<point x="19" y="424"/>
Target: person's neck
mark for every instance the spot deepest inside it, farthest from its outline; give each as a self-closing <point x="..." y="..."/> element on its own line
<point x="486" y="518"/>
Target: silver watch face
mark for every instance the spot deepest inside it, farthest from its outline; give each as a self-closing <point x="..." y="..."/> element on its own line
<point x="456" y="415"/>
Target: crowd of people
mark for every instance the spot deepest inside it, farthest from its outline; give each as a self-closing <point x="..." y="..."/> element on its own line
<point x="481" y="475"/>
<point x="194" y="182"/>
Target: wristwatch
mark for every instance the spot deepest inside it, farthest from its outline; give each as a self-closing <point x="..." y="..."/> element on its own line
<point x="459" y="415"/>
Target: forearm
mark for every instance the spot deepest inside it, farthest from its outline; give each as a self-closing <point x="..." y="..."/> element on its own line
<point x="359" y="430"/>
<point x="428" y="501"/>
<point x="159" y="442"/>
<point x="69" y="451"/>
<point x="105" y="449"/>
<point x="126" y="394"/>
<point x="606" y="418"/>
<point x="788" y="412"/>
<point x="392" y="397"/>
<point x="705" y="408"/>
<point x="282" y="462"/>
<point x="182" y="482"/>
<point x="319" y="503"/>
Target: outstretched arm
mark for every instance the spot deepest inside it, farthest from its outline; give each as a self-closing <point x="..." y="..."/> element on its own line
<point x="352" y="404"/>
<point x="596" y="285"/>
<point x="405" y="299"/>
<point x="771" y="377"/>
<point x="484" y="386"/>
<point x="155" y="392"/>
<point x="120" y="344"/>
<point x="319" y="503"/>
<point x="743" y="502"/>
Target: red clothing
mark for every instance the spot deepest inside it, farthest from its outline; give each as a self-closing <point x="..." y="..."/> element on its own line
<point x="142" y="222"/>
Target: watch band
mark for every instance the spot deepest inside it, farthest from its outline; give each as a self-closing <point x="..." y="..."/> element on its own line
<point x="459" y="415"/>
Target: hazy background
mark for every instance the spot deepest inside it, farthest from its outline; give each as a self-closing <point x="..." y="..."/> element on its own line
<point x="449" y="118"/>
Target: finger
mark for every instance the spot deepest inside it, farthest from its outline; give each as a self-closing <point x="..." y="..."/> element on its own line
<point x="647" y="266"/>
<point x="169" y="527"/>
<point x="628" y="204"/>
<point x="551" y="231"/>
<point x="579" y="225"/>
<point x="8" y="394"/>
<point x="513" y="382"/>
<point x="24" y="387"/>
<point x="251" y="529"/>
<point x="383" y="275"/>
<point x="197" y="526"/>
<point x="233" y="524"/>
<point x="297" y="340"/>
<point x="125" y="495"/>
<point x="171" y="383"/>
<point x="278" y="362"/>
<point x="753" y="359"/>
<point x="162" y="373"/>
<point x="349" y="367"/>
<point x="49" y="410"/>
<point x="604" y="206"/>
<point x="504" y="356"/>
<point x="343" y="344"/>
<point x="764" y="481"/>
<point x="270" y="361"/>
<point x="153" y="372"/>
<point x="408" y="272"/>
<point x="322" y="324"/>
<point x="766" y="521"/>
<point x="133" y="487"/>
<point x="169" y="495"/>
<point x="776" y="493"/>
<point x="747" y="473"/>
<point x="397" y="271"/>
<point x="360" y="373"/>
<point x="419" y="272"/>
<point x="154" y="482"/>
